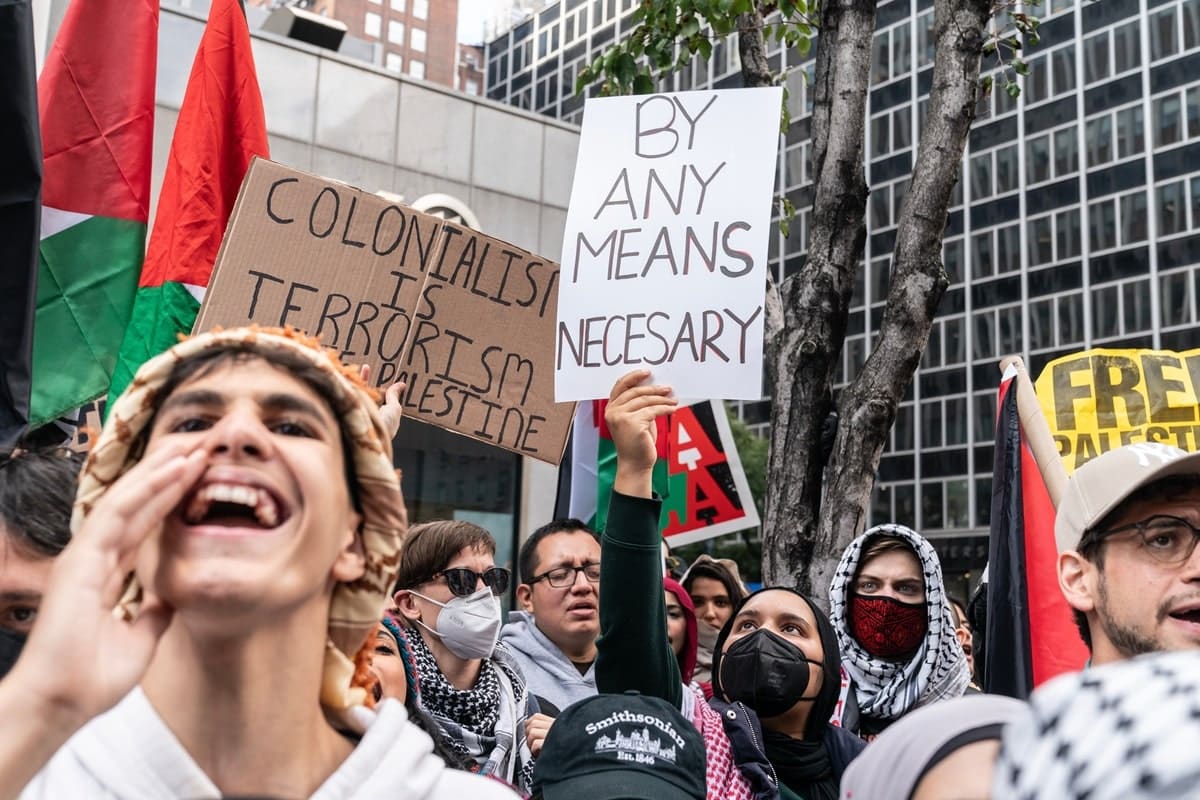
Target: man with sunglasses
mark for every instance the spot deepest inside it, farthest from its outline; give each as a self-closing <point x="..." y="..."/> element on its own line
<point x="448" y="593"/>
<point x="553" y="635"/>
<point x="1126" y="532"/>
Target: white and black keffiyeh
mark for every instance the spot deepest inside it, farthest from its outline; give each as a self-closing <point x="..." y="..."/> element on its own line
<point x="938" y="671"/>
<point x="485" y="723"/>
<point x="1124" y="731"/>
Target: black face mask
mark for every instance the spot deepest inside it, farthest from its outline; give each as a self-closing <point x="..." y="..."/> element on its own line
<point x="11" y="643"/>
<point x="766" y="672"/>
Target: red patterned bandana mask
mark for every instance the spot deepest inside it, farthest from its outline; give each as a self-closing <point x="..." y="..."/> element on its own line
<point x="887" y="628"/>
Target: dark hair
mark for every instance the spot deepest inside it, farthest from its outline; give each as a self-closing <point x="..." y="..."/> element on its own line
<point x="37" y="490"/>
<point x="527" y="560"/>
<point x="960" y="612"/>
<point x="716" y="572"/>
<point x="1091" y="543"/>
<point x="428" y="548"/>
<point x="208" y="361"/>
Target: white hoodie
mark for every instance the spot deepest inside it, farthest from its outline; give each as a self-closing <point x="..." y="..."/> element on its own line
<point x="130" y="754"/>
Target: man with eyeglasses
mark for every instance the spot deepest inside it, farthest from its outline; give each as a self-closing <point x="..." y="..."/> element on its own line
<point x="553" y="635"/>
<point x="1126" y="531"/>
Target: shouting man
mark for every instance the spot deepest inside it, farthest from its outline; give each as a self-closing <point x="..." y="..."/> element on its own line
<point x="244" y="485"/>
<point x="1126" y="530"/>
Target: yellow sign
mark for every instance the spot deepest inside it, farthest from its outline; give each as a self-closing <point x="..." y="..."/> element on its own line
<point x="1097" y="400"/>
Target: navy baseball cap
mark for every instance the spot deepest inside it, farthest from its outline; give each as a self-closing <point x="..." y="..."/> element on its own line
<point x="621" y="747"/>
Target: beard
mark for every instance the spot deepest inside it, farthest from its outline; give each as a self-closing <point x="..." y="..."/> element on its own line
<point x="1127" y="641"/>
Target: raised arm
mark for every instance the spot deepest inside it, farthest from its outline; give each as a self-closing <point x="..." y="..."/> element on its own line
<point x="633" y="651"/>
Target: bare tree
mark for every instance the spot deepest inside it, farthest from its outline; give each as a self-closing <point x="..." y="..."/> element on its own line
<point x="813" y="510"/>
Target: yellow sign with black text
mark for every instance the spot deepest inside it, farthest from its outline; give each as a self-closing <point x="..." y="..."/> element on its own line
<point x="1100" y="399"/>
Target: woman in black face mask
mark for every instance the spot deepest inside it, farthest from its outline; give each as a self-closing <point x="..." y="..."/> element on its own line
<point x="778" y="658"/>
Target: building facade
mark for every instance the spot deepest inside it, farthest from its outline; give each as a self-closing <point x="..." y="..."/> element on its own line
<point x="410" y="37"/>
<point x="469" y="77"/>
<point x="1076" y="223"/>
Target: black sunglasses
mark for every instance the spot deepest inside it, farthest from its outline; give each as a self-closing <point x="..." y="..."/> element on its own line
<point x="462" y="581"/>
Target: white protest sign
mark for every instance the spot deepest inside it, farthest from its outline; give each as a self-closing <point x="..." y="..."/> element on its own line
<point x="664" y="261"/>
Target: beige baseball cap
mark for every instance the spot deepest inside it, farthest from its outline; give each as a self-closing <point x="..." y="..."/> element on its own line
<point x="1103" y="483"/>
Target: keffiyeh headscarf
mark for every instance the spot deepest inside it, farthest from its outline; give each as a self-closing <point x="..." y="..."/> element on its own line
<point x="1125" y="731"/>
<point x="356" y="607"/>
<point x="937" y="671"/>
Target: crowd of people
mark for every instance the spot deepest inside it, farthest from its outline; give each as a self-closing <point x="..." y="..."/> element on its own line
<point x="226" y="600"/>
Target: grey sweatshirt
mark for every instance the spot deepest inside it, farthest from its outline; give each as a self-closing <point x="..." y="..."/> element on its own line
<point x="550" y="674"/>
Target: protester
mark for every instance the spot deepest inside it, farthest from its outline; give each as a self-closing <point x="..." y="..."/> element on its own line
<point x="448" y="594"/>
<point x="681" y="627"/>
<point x="245" y="478"/>
<point x="894" y="628"/>
<point x="767" y="651"/>
<point x="977" y="621"/>
<point x="946" y="751"/>
<point x="966" y="638"/>
<point x="715" y="587"/>
<point x="396" y="677"/>
<point x="36" y="491"/>
<point x="1126" y="531"/>
<point x="553" y="636"/>
<point x="392" y="664"/>
<point x="1125" y="731"/>
<point x="621" y="747"/>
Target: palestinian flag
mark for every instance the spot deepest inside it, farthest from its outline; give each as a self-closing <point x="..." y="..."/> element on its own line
<point x="698" y="474"/>
<point x="20" y="200"/>
<point x="1030" y="635"/>
<point x="220" y="129"/>
<point x="97" y="107"/>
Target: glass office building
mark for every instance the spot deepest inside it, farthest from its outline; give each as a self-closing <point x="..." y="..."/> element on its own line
<point x="1075" y="223"/>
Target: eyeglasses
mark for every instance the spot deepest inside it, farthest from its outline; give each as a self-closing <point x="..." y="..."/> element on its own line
<point x="462" y="581"/>
<point x="562" y="577"/>
<point x="1169" y="540"/>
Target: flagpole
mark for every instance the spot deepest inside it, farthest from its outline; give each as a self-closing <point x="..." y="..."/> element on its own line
<point x="1037" y="431"/>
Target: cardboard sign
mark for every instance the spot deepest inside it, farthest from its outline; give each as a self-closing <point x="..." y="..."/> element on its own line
<point x="1100" y="399"/>
<point x="464" y="319"/>
<point x="665" y="251"/>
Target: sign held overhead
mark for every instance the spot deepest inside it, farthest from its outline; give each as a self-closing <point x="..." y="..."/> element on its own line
<point x="464" y="319"/>
<point x="665" y="251"/>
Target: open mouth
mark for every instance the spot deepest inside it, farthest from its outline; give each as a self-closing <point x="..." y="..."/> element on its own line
<point x="581" y="608"/>
<point x="234" y="505"/>
<point x="1191" y="615"/>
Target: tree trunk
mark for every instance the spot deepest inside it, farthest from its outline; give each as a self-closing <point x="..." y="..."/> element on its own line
<point x="816" y="301"/>
<point x="868" y="406"/>
<point x="752" y="48"/>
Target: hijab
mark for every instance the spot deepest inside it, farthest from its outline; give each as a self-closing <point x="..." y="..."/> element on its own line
<point x="936" y="671"/>
<point x="687" y="656"/>
<point x="803" y="765"/>
<point x="893" y="766"/>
